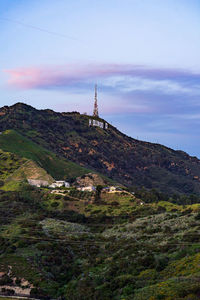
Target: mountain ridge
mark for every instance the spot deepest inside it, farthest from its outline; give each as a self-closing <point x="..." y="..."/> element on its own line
<point x="71" y="245"/>
<point x="110" y="152"/>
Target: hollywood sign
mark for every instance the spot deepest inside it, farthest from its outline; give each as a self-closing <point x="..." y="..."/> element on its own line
<point x="100" y="124"/>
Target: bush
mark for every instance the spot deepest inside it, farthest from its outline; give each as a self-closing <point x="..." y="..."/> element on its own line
<point x="124" y="281"/>
<point x="114" y="203"/>
<point x="5" y="280"/>
<point x="197" y="217"/>
<point x="1" y="183"/>
<point x="161" y="262"/>
<point x="18" y="281"/>
<point x="8" y="292"/>
<point x="55" y="204"/>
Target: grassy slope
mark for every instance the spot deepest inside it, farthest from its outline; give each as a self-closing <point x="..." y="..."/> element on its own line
<point x="148" y="255"/>
<point x="28" y="170"/>
<point x="109" y="152"/>
<point x="9" y="163"/>
<point x="12" y="141"/>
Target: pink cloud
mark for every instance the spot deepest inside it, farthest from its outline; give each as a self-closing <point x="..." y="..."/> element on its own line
<point x="72" y="75"/>
<point x="44" y="77"/>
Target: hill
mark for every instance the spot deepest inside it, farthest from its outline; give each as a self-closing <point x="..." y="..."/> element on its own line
<point x="59" y="248"/>
<point x="109" y="152"/>
<point x="15" y="170"/>
<point x="58" y="168"/>
<point x="9" y="163"/>
<point x="29" y="170"/>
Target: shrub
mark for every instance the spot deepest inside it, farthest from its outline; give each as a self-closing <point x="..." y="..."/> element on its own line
<point x="18" y="281"/>
<point x="197" y="217"/>
<point x="114" y="203"/>
<point x="161" y="262"/>
<point x="5" y="280"/>
<point x="55" y="204"/>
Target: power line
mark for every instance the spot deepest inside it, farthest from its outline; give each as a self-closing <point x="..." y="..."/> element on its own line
<point x="92" y="243"/>
<point x="39" y="29"/>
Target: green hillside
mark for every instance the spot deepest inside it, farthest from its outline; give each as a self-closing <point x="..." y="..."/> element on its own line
<point x="29" y="170"/>
<point x="15" y="171"/>
<point x="124" y="159"/>
<point x="115" y="249"/>
<point x="71" y="244"/>
<point x="9" y="163"/>
<point x="58" y="168"/>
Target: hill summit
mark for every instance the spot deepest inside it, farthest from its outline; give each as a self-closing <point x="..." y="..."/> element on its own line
<point x="108" y="151"/>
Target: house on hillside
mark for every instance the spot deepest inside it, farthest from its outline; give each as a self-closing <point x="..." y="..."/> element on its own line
<point x="59" y="183"/>
<point x="90" y="188"/>
<point x="38" y="183"/>
<point x="112" y="189"/>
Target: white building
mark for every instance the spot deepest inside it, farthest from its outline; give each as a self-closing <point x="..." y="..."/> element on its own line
<point x="59" y="183"/>
<point x="87" y="188"/>
<point x="38" y="183"/>
<point x="112" y="189"/>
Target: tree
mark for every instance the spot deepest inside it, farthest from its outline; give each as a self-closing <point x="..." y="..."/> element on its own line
<point x="1" y="183"/>
<point x="98" y="192"/>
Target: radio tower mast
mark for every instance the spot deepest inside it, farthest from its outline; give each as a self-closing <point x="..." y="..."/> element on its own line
<point x="95" y="112"/>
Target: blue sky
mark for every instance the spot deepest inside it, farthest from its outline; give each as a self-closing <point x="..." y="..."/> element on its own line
<point x="144" y="56"/>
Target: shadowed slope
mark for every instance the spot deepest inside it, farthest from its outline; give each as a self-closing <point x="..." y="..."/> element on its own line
<point x="124" y="159"/>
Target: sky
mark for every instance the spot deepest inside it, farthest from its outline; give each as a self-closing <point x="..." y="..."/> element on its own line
<point x="143" y="55"/>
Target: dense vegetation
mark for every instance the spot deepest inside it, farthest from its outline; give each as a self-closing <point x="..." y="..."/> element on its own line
<point x="9" y="163"/>
<point x="142" y="243"/>
<point x="118" y="247"/>
<point x="124" y="159"/>
<point x="153" y="195"/>
<point x="58" y="168"/>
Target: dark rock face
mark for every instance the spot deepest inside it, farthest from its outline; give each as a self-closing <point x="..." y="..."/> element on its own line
<point x="124" y="159"/>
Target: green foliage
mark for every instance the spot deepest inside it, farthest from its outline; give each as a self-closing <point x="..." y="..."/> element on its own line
<point x="109" y="152"/>
<point x="135" y="247"/>
<point x="58" y="168"/>
<point x="109" y="257"/>
<point x="98" y="192"/>
<point x="154" y="196"/>
<point x="9" y="163"/>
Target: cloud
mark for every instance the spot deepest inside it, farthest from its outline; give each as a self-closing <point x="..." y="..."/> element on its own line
<point x="124" y="89"/>
<point x="128" y="84"/>
<point x="112" y="77"/>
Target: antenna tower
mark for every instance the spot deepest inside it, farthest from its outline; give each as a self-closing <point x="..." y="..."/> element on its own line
<point x="95" y="112"/>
